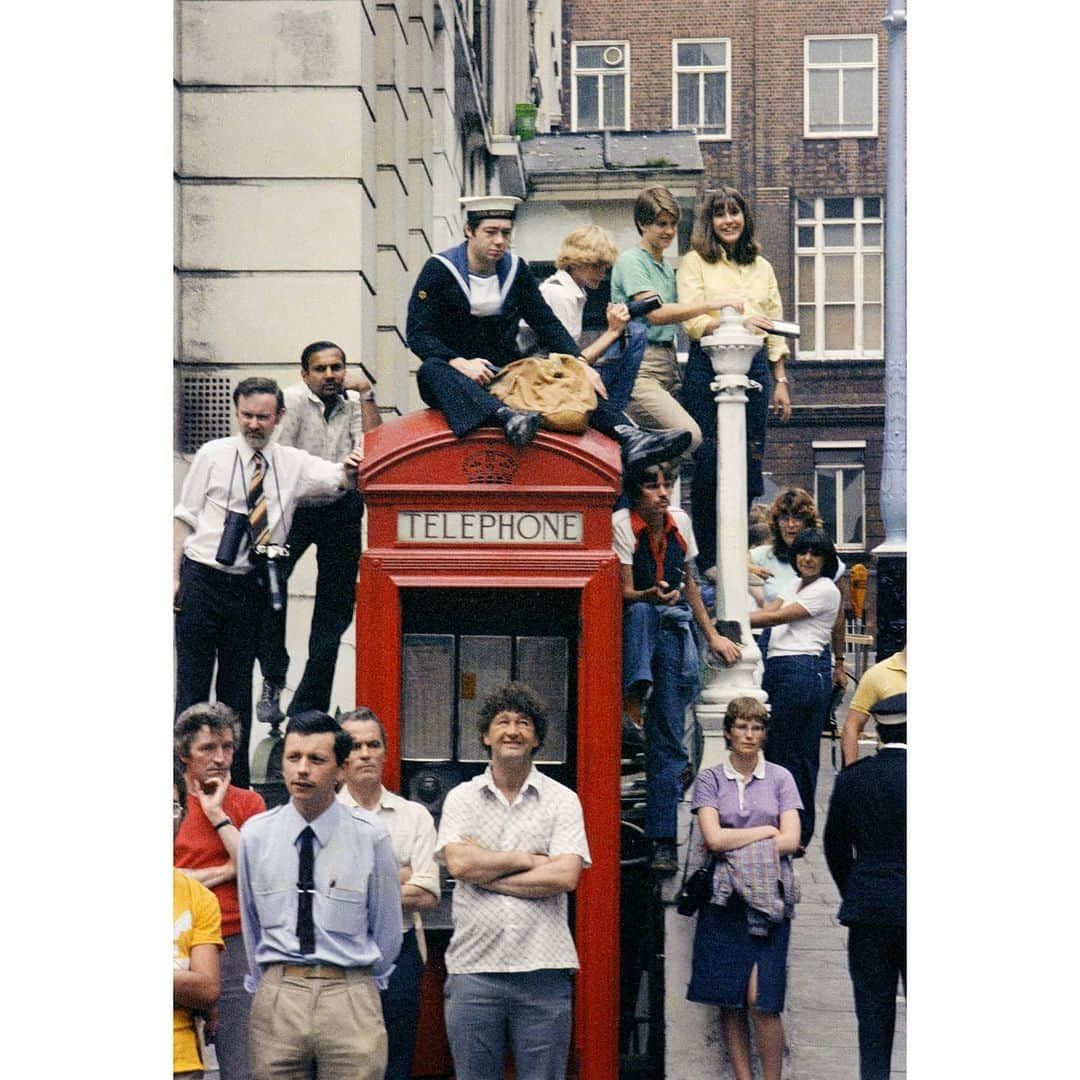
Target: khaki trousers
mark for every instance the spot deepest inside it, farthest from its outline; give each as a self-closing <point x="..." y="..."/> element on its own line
<point x="330" y="1028"/>
<point x="653" y="403"/>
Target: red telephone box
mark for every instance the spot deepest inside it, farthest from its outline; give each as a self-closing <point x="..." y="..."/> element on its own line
<point x="485" y="562"/>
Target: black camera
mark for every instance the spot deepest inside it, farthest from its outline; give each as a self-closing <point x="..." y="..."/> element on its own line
<point x="270" y="555"/>
<point x="637" y="308"/>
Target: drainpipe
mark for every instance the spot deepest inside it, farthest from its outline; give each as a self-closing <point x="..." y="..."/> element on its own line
<point x="891" y="556"/>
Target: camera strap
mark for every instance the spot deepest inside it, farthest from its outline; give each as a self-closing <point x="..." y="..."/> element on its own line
<point x="686" y="861"/>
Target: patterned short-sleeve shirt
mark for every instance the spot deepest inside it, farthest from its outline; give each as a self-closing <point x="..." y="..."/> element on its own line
<point x="500" y="933"/>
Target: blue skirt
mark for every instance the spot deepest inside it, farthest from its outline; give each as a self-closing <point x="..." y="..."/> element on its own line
<point x="725" y="952"/>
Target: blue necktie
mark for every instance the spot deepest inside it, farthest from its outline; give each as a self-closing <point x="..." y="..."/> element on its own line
<point x="305" y="924"/>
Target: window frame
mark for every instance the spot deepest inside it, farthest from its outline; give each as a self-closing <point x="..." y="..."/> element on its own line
<point x="575" y="71"/>
<point x="839" y="66"/>
<point x="858" y="449"/>
<point x="700" y="70"/>
<point x="858" y="250"/>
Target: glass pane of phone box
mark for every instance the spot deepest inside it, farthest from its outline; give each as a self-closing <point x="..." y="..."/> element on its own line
<point x="427" y="697"/>
<point x="540" y="662"/>
<point x="484" y="662"/>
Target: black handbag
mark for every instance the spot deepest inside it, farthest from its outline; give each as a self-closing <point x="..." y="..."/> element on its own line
<point x="696" y="889"/>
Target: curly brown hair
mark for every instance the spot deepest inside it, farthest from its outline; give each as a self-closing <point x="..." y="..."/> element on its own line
<point x="513" y="697"/>
<point x="797" y="502"/>
<point x="703" y="238"/>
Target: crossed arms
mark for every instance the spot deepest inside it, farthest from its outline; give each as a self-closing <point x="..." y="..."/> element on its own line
<point x="523" y="874"/>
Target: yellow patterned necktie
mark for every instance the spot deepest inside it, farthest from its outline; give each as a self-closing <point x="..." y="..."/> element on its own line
<point x="257" y="508"/>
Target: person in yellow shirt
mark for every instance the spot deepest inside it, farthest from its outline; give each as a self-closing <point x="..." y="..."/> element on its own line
<point x="724" y="260"/>
<point x="882" y="680"/>
<point x="196" y="941"/>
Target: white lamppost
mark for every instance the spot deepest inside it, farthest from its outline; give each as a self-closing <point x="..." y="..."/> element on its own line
<point x="730" y="349"/>
<point x="690" y="1031"/>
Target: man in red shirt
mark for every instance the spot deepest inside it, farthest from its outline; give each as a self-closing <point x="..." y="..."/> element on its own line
<point x="205" y="847"/>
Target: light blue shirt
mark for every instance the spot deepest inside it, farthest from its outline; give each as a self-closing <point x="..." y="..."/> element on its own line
<point x="357" y="903"/>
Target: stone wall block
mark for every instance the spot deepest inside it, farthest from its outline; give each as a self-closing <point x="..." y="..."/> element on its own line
<point x="275" y="43"/>
<point x="276" y="133"/>
<point x="275" y="225"/>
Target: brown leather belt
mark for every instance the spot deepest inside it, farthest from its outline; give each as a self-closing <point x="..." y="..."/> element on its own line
<point x="318" y="971"/>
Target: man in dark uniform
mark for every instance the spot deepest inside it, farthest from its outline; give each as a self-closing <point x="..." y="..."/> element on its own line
<point x="866" y="849"/>
<point x="464" y="315"/>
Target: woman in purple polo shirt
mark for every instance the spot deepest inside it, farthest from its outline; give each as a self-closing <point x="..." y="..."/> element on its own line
<point x="739" y="966"/>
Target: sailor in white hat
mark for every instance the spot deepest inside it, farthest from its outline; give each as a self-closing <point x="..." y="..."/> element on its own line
<point x="464" y="315"/>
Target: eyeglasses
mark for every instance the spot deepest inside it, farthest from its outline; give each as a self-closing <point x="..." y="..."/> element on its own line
<point x="800" y="518"/>
<point x="754" y="729"/>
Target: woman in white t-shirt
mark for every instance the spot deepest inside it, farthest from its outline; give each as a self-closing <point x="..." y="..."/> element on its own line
<point x="797" y="669"/>
<point x="792" y="511"/>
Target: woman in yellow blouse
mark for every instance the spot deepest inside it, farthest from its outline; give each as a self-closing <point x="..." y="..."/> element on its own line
<point x="724" y="261"/>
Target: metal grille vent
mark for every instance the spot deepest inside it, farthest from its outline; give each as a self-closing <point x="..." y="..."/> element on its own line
<point x="205" y="409"/>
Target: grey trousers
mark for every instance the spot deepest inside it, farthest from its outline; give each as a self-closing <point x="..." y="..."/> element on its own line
<point x="532" y="1010"/>
<point x="234" y="1013"/>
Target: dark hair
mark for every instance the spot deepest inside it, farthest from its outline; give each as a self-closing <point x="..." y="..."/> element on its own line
<point x="513" y="697"/>
<point x="744" y="708"/>
<point x="318" y="346"/>
<point x="794" y="501"/>
<point x="363" y="715"/>
<point x="258" y="385"/>
<point x="889" y="733"/>
<point x="651" y="203"/>
<point x="817" y="542"/>
<point x="211" y="714"/>
<point x="179" y="780"/>
<point x="703" y="238"/>
<point x="313" y="722"/>
<point x="475" y="218"/>
<point x="635" y="479"/>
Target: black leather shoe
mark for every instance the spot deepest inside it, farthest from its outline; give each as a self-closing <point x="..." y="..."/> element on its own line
<point x="520" y="427"/>
<point x="640" y="449"/>
<point x="665" y="862"/>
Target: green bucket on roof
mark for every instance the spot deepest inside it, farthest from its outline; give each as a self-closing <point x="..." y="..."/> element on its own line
<point x="525" y="120"/>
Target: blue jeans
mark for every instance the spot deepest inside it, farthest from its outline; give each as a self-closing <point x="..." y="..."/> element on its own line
<point x="401" y="1009"/>
<point x="654" y="654"/>
<point x="530" y="1008"/>
<point x="618" y="366"/>
<point x="799" y="688"/>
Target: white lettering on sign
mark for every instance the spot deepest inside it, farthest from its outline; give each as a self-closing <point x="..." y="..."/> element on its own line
<point x="488" y="527"/>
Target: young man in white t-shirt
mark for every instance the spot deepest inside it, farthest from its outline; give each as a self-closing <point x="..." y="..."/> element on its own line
<point x="655" y="545"/>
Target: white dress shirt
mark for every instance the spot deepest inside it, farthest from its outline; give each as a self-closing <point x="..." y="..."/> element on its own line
<point x="412" y="832"/>
<point x="567" y="299"/>
<point x="218" y="481"/>
<point x="497" y="933"/>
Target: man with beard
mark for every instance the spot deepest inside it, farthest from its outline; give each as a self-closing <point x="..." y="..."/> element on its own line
<point x="326" y="414"/>
<point x="233" y="514"/>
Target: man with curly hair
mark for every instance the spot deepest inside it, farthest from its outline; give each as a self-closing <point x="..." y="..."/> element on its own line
<point x="514" y="840"/>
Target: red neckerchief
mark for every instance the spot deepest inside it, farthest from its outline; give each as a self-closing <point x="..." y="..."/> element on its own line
<point x="638" y="525"/>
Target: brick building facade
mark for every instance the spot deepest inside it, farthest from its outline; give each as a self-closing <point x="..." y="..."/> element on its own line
<point x="788" y="103"/>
